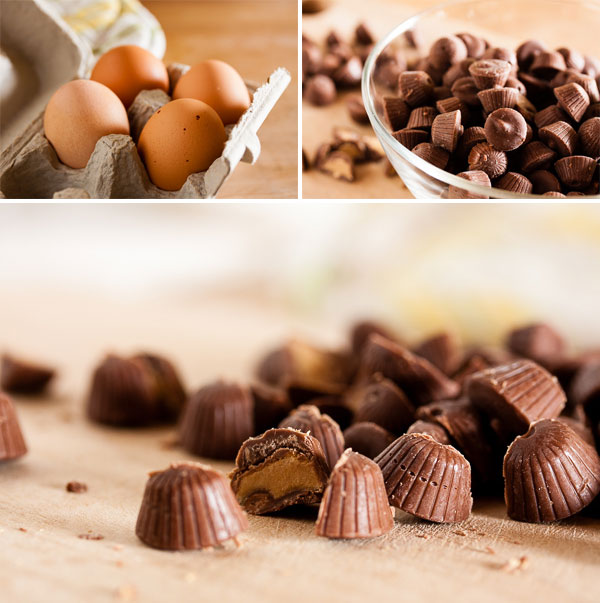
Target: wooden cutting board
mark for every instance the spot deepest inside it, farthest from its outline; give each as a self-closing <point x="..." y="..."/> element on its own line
<point x="42" y="557"/>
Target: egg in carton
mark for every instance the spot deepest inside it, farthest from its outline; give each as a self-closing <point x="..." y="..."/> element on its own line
<point x="31" y="168"/>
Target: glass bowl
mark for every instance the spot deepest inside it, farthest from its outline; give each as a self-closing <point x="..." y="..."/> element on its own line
<point x="504" y="23"/>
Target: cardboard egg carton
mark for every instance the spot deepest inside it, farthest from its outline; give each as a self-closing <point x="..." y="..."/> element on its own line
<point x="30" y="167"/>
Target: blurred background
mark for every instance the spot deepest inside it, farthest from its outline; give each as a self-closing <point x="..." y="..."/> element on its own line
<point x="215" y="285"/>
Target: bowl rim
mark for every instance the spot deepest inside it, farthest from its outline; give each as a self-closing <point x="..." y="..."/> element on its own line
<point x="382" y="130"/>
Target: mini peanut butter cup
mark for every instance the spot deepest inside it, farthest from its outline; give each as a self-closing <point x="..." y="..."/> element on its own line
<point x="298" y="361"/>
<point x="547" y="64"/>
<point x="396" y="112"/>
<point x="415" y="87"/>
<point x="467" y="430"/>
<point x="580" y="428"/>
<point x="589" y="84"/>
<point x="466" y="90"/>
<point x="538" y="341"/>
<point x="382" y="402"/>
<point x="170" y="391"/>
<point x="432" y="154"/>
<point x="543" y="182"/>
<point x="573" y="59"/>
<point x="367" y="438"/>
<point x="271" y="405"/>
<point x="410" y="138"/>
<point x="475" y="176"/>
<point x="216" y="420"/>
<point x="576" y="171"/>
<point x="527" y="52"/>
<point x="517" y="394"/>
<point x="536" y="156"/>
<point x="355" y="503"/>
<point x="188" y="506"/>
<point x="362" y="330"/>
<point x="560" y="137"/>
<point x="515" y="183"/>
<point x="421" y="118"/>
<point x="436" y="431"/>
<point x="447" y="51"/>
<point x="447" y="105"/>
<point x="585" y="388"/>
<point x="505" y="129"/>
<point x="456" y="71"/>
<point x="308" y="419"/>
<point x="124" y="392"/>
<point x="280" y="468"/>
<point x="12" y="444"/>
<point x="446" y="130"/>
<point x="476" y="46"/>
<point x="442" y="350"/>
<point x="22" y="377"/>
<point x="489" y="73"/>
<point x="427" y="479"/>
<point x="485" y="157"/>
<point x="549" y="115"/>
<point x="319" y="90"/>
<point x="415" y="376"/>
<point x="471" y="136"/>
<point x="573" y="99"/>
<point x="550" y="473"/>
<point x="501" y="54"/>
<point x="498" y="98"/>
<point x="589" y="135"/>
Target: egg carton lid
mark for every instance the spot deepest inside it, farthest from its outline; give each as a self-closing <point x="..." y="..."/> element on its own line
<point x="39" y="53"/>
<point x="31" y="168"/>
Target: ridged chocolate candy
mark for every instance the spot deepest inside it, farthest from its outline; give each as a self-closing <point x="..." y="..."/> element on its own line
<point x="361" y="331"/>
<point x="216" y="420"/>
<point x="436" y="431"/>
<point x="442" y="350"/>
<point x="308" y="418"/>
<point x="550" y="473"/>
<point x="22" y="377"/>
<point x="539" y="342"/>
<point x="123" y="393"/>
<point x="427" y="479"/>
<point x="188" y="506"/>
<point x="12" y="444"/>
<point x="367" y="438"/>
<point x="419" y="379"/>
<point x="282" y="467"/>
<point x="169" y="387"/>
<point x="585" y="389"/>
<point x="517" y="394"/>
<point x="381" y="401"/>
<point x="271" y="405"/>
<point x="299" y="362"/>
<point x="468" y="431"/>
<point x="355" y="503"/>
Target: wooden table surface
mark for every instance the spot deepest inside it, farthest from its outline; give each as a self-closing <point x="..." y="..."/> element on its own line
<point x="256" y="37"/>
<point x="43" y="559"/>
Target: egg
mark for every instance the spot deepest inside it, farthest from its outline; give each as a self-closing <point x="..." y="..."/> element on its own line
<point x="218" y="85"/>
<point x="183" y="137"/>
<point x="78" y="115"/>
<point x="127" y="70"/>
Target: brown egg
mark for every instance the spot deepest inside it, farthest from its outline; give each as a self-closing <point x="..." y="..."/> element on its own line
<point x="78" y="115"/>
<point x="218" y="85"/>
<point x="127" y="70"/>
<point x="183" y="137"/>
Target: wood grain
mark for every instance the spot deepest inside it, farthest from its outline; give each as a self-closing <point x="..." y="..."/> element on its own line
<point x="281" y="558"/>
<point x="255" y="36"/>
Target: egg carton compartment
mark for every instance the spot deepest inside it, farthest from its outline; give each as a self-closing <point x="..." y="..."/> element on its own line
<point x="31" y="169"/>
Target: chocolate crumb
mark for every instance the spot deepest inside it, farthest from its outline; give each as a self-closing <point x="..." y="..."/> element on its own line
<point x="22" y="529"/>
<point x="91" y="536"/>
<point x="76" y="487"/>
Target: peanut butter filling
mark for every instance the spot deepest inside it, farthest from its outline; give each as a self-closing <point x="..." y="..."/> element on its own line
<point x="291" y="473"/>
